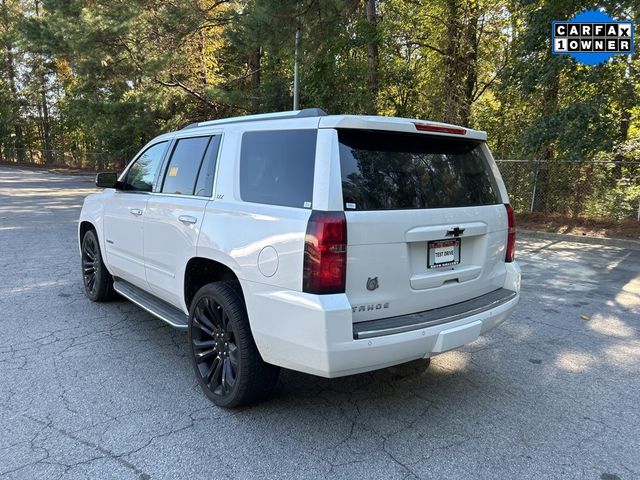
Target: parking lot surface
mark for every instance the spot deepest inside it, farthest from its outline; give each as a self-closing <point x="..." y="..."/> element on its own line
<point x="107" y="391"/>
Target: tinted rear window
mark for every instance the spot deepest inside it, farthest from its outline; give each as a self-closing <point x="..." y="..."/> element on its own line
<point x="276" y="167"/>
<point x="184" y="165"/>
<point x="396" y="171"/>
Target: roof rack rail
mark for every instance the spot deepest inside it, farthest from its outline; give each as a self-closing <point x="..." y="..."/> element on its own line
<point x="305" y="113"/>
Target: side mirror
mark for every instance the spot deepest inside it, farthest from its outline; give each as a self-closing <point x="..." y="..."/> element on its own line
<point x="107" y="180"/>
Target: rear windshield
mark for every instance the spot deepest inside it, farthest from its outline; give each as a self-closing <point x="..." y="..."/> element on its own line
<point x="398" y="171"/>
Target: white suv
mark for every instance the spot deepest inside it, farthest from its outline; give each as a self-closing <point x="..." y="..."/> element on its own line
<point x="328" y="244"/>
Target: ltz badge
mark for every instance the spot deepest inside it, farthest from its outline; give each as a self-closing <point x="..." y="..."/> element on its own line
<point x="592" y="37"/>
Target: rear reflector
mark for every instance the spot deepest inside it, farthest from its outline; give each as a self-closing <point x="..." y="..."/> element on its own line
<point x="325" y="253"/>
<point x="426" y="127"/>
<point x="511" y="234"/>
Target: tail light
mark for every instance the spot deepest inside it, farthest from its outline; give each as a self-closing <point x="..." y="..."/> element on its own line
<point x="325" y="253"/>
<point x="511" y="234"/>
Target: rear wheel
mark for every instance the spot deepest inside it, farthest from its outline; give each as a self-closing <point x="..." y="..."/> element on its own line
<point x="98" y="282"/>
<point x="226" y="361"/>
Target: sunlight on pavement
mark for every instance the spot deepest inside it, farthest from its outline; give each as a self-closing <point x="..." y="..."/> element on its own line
<point x="455" y="360"/>
<point x="629" y="296"/>
<point x="575" y="361"/>
<point x="627" y="353"/>
<point x="610" y="326"/>
<point x="616" y="263"/>
<point x="49" y="192"/>
<point x="33" y="286"/>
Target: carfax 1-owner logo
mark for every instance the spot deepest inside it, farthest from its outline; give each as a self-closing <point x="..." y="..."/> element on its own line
<point x="592" y="37"/>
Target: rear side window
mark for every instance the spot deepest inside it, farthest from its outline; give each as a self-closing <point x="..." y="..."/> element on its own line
<point x="276" y="167"/>
<point x="182" y="172"/>
<point x="397" y="171"/>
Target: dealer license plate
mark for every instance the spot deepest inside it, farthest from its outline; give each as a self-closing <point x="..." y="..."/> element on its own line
<point x="443" y="253"/>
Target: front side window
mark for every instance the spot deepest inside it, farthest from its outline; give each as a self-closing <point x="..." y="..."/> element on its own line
<point x="182" y="172"/>
<point x="398" y="171"/>
<point x="276" y="167"/>
<point x="142" y="174"/>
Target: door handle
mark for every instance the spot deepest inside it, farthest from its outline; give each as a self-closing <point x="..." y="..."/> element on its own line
<point x="187" y="219"/>
<point x="135" y="211"/>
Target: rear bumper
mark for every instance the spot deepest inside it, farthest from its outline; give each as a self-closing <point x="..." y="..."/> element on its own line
<point x="315" y="333"/>
<point x="379" y="352"/>
<point x="430" y="318"/>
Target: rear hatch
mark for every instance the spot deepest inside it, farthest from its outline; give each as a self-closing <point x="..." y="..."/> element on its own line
<point x="426" y="224"/>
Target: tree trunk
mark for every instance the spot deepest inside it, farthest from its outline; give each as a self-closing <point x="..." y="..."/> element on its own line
<point x="254" y="63"/>
<point x="47" y="151"/>
<point x="18" y="143"/>
<point x="453" y="67"/>
<point x="471" y="42"/>
<point x="373" y="55"/>
<point x="546" y="153"/>
<point x="46" y="125"/>
<point x="203" y="59"/>
<point x="628" y="101"/>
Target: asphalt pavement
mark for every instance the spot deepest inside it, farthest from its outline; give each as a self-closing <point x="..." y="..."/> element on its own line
<point x="107" y="391"/>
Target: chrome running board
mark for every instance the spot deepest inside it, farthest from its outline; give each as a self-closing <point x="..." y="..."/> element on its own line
<point x="152" y="304"/>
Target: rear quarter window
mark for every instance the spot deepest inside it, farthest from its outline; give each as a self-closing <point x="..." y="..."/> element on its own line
<point x="276" y="167"/>
<point x="397" y="171"/>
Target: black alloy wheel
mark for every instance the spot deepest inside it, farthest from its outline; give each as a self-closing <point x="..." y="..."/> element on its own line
<point x="226" y="361"/>
<point x="89" y="268"/>
<point x="98" y="282"/>
<point x="214" y="346"/>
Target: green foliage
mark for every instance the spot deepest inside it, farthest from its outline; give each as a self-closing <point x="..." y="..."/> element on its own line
<point x="105" y="76"/>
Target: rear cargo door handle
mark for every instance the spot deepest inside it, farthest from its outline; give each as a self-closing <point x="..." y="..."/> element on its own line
<point x="135" y="211"/>
<point x="186" y="219"/>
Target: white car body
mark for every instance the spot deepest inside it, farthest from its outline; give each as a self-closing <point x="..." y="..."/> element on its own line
<point x="148" y="239"/>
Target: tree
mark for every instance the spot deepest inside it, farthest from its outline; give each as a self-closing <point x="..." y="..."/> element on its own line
<point x="10" y="127"/>
<point x="373" y="59"/>
<point x="95" y="80"/>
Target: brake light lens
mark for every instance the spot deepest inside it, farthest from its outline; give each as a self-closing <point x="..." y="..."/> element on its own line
<point x="325" y="253"/>
<point x="426" y="127"/>
<point x="511" y="234"/>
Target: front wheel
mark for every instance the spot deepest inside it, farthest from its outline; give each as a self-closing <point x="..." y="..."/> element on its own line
<point x="226" y="361"/>
<point x="98" y="282"/>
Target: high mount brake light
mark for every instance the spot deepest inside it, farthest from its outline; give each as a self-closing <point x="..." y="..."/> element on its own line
<point x="325" y="253"/>
<point x="426" y="127"/>
<point x="511" y="234"/>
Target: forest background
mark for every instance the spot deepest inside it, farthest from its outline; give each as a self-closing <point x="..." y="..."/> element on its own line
<point x="85" y="83"/>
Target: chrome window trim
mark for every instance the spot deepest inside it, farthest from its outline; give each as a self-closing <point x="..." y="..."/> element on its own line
<point x="167" y="160"/>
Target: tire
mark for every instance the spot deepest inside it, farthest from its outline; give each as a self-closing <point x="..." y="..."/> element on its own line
<point x="226" y="361"/>
<point x="97" y="281"/>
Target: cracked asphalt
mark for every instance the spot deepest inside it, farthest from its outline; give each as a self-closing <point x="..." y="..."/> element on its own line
<point x="107" y="391"/>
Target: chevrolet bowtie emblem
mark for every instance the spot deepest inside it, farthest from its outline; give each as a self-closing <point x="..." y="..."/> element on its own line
<point x="455" y="232"/>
